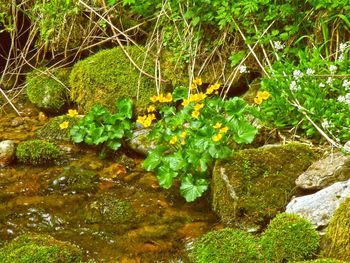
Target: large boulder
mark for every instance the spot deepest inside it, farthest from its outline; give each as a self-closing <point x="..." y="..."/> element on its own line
<point x="108" y="75"/>
<point x="320" y="206"/>
<point x="254" y="185"/>
<point x="334" y="168"/>
<point x="7" y="152"/>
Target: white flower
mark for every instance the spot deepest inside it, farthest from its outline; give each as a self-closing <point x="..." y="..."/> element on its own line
<point x="310" y="71"/>
<point x="321" y="85"/>
<point x="342" y="47"/>
<point x="297" y="74"/>
<point x="242" y="69"/>
<point x="278" y="45"/>
<point x="332" y="68"/>
<point x="329" y="81"/>
<point x="325" y="124"/>
<point x="341" y="99"/>
<point x="346" y="83"/>
<point x="294" y="87"/>
<point x="341" y="57"/>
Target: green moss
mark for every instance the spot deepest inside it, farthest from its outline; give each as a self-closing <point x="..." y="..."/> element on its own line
<point x="52" y="131"/>
<point x="37" y="152"/>
<point x="323" y="260"/>
<point x="108" y="75"/>
<point x="75" y="180"/>
<point x="256" y="184"/>
<point x="44" y="91"/>
<point x="226" y="245"/>
<point x="109" y="209"/>
<point x="289" y="237"/>
<point x="39" y="249"/>
<point x="336" y="241"/>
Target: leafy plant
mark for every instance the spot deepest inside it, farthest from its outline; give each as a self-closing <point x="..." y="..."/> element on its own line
<point x="191" y="136"/>
<point x="100" y="126"/>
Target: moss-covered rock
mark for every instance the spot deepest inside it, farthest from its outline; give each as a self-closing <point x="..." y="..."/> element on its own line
<point x="75" y="180"/>
<point x="37" y="152"/>
<point x="336" y="241"/>
<point x="108" y="75"/>
<point x="322" y="260"/>
<point x="110" y="210"/>
<point x="53" y="132"/>
<point x="289" y="237"/>
<point x="45" y="92"/>
<point x="226" y="245"/>
<point x="39" y="249"/>
<point x="254" y="185"/>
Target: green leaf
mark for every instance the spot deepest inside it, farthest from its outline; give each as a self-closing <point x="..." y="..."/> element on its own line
<point x="235" y="58"/>
<point x="243" y="131"/>
<point x="114" y="145"/>
<point x="166" y="176"/>
<point x="190" y="190"/>
<point x="176" y="161"/>
<point x="180" y="93"/>
<point x="77" y="134"/>
<point x="124" y="107"/>
<point x="235" y="106"/>
<point x="152" y="161"/>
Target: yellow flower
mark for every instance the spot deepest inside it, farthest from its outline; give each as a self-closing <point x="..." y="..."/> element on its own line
<point x="209" y="91"/>
<point x="224" y="130"/>
<point x="193" y="86"/>
<point x="195" y="114"/>
<point x="72" y="113"/>
<point x="198" y="106"/>
<point x="173" y="140"/>
<point x="258" y="100"/>
<point x="151" y="108"/>
<point x="197" y="81"/>
<point x="154" y="98"/>
<point x="201" y="96"/>
<point x="64" y="125"/>
<point x="151" y="117"/>
<point x="141" y="119"/>
<point x="183" y="134"/>
<point x="265" y="95"/>
<point x="169" y="97"/>
<point x="217" y="125"/>
<point x="185" y="102"/>
<point x="217" y="137"/>
<point x="183" y="143"/>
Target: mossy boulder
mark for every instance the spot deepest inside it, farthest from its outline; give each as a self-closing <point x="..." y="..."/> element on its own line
<point x="39" y="249"/>
<point x="37" y="152"/>
<point x="46" y="89"/>
<point x="289" y="237"/>
<point x="108" y="75"/>
<point x="336" y="241"/>
<point x="254" y="185"/>
<point x="53" y="132"/>
<point x="110" y="210"/>
<point x="75" y="180"/>
<point x="322" y="260"/>
<point x="226" y="245"/>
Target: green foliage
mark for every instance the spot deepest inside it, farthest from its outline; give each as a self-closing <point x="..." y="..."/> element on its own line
<point x="39" y="249"/>
<point x="108" y="75"/>
<point x="323" y="260"/>
<point x="335" y="242"/>
<point x="226" y="245"/>
<point x="44" y="91"/>
<point x="289" y="237"/>
<point x="188" y="139"/>
<point x="37" y="152"/>
<point x="100" y="126"/>
<point x="52" y="131"/>
<point x="315" y="86"/>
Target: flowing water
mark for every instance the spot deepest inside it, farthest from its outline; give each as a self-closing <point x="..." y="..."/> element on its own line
<point x="112" y="209"/>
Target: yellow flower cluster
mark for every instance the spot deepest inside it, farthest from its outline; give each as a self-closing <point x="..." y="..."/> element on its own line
<point x="261" y="96"/>
<point x="161" y="98"/>
<point x="212" y="88"/>
<point x="196" y="82"/>
<point x="72" y="113"/>
<point x="194" y="98"/>
<point x="146" y="120"/>
<point x="222" y="131"/>
<point x="64" y="125"/>
<point x="173" y="140"/>
<point x="151" y="108"/>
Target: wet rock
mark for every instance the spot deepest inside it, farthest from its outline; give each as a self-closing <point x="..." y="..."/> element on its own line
<point x="17" y="122"/>
<point x="150" y="231"/>
<point x="320" y="207"/>
<point x="255" y="184"/>
<point x="114" y="171"/>
<point x="139" y="142"/>
<point x="193" y="230"/>
<point x="7" y="152"/>
<point x="149" y="181"/>
<point x="333" y="168"/>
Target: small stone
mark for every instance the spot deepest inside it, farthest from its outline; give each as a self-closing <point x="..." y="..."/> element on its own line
<point x="17" y="122"/>
<point x="347" y="146"/>
<point x="7" y="152"/>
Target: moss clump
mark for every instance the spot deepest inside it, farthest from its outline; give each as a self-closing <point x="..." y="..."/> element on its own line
<point x="109" y="75"/>
<point x="289" y="237"/>
<point x="52" y="130"/>
<point x="336" y="241"/>
<point x="226" y="245"/>
<point x="39" y="249"/>
<point x="322" y="260"/>
<point x="254" y="185"/>
<point x="44" y="91"/>
<point x="109" y="209"/>
<point x="37" y="152"/>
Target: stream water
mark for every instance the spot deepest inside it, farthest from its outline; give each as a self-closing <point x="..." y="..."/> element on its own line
<point x="112" y="209"/>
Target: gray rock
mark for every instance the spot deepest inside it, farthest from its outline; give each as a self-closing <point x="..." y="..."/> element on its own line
<point x="320" y="206"/>
<point x="347" y="146"/>
<point x="333" y="168"/>
<point x="139" y="142"/>
<point x="7" y="152"/>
